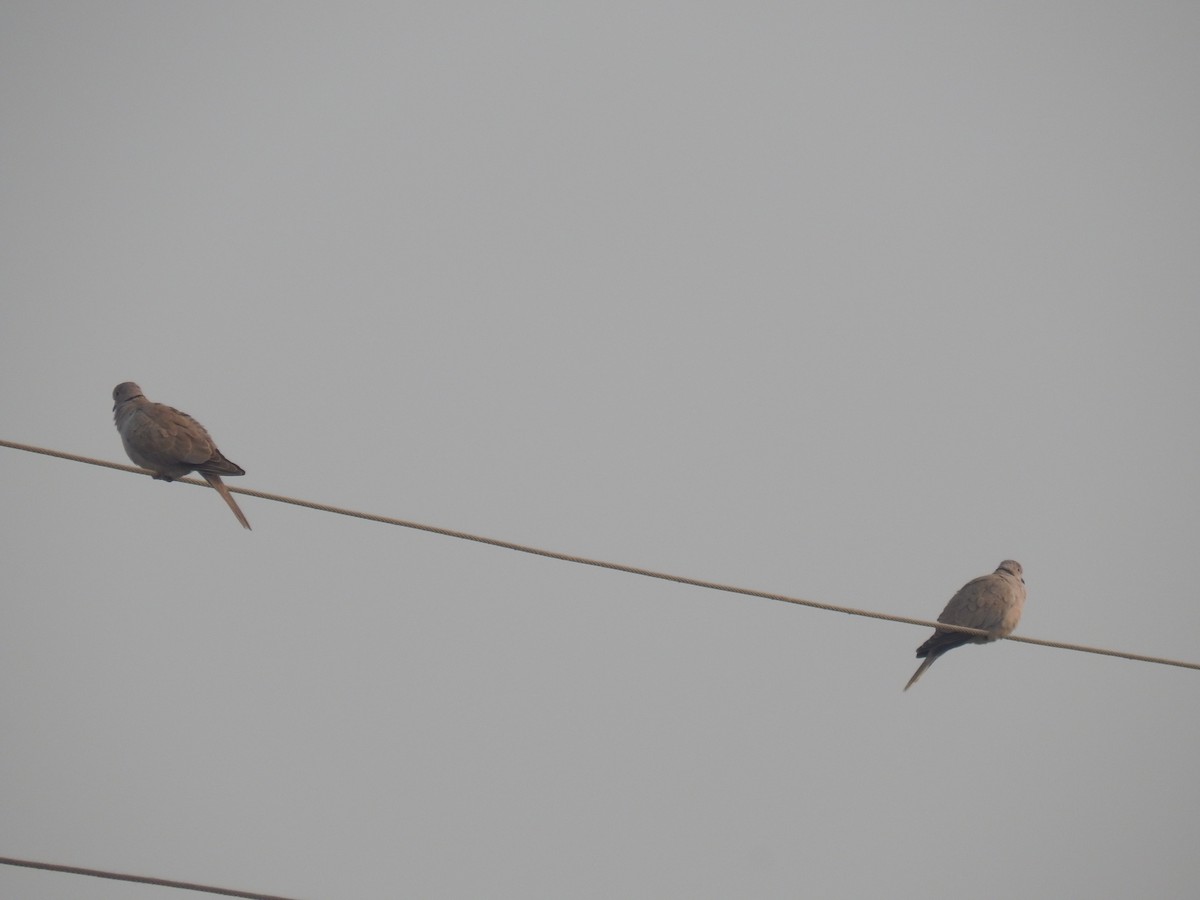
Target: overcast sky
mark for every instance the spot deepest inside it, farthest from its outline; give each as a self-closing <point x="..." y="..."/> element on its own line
<point x="844" y="301"/>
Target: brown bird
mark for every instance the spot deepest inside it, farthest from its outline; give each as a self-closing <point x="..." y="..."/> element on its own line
<point x="170" y="443"/>
<point x="992" y="603"/>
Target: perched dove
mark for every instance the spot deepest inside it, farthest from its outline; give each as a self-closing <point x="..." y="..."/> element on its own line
<point x="170" y="443"/>
<point x="991" y="602"/>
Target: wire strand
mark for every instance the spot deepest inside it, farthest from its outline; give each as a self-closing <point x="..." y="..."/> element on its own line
<point x="618" y="567"/>
<point x="140" y="879"/>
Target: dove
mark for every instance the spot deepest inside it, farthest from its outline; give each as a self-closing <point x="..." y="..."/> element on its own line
<point x="992" y="603"/>
<point x="170" y="443"/>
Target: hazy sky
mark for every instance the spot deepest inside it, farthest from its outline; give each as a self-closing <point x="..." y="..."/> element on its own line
<point x="844" y="301"/>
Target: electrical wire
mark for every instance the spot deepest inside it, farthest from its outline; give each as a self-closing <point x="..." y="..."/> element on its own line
<point x="616" y="567"/>
<point x="140" y="879"/>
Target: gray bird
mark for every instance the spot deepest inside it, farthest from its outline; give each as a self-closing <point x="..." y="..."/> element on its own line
<point x="170" y="443"/>
<point x="992" y="603"/>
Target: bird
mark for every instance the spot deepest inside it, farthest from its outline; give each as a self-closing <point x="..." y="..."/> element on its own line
<point x="992" y="603"/>
<point x="170" y="443"/>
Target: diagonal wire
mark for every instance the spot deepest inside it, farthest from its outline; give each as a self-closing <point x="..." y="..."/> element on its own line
<point x="139" y="879"/>
<point x="618" y="567"/>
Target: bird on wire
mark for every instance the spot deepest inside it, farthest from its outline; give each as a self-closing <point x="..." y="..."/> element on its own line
<point x="991" y="603"/>
<point x="170" y="443"/>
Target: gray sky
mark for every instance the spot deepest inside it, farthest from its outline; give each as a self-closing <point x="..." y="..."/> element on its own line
<point x="849" y="302"/>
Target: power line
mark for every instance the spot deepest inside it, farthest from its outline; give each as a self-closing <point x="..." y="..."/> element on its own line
<point x="616" y="567"/>
<point x="140" y="879"/>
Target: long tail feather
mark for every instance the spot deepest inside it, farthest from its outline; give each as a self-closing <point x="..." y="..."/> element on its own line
<point x="219" y="487"/>
<point x="925" y="664"/>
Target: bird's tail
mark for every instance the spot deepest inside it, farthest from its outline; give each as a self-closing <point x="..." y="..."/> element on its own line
<point x="925" y="664"/>
<point x="219" y="487"/>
